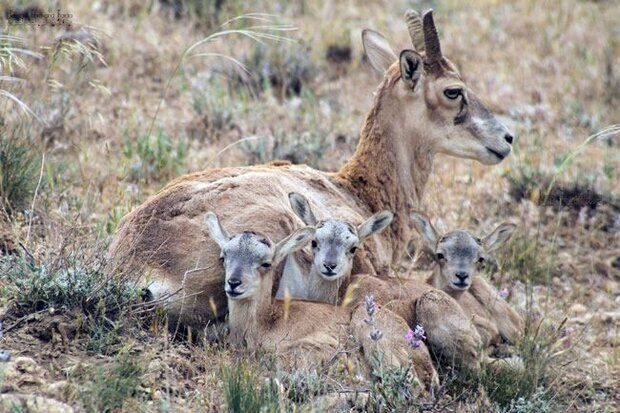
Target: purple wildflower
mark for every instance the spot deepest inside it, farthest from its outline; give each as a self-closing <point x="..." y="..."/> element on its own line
<point x="415" y="337"/>
<point x="371" y="309"/>
<point x="503" y="293"/>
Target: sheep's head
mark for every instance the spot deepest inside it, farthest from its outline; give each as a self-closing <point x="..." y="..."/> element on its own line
<point x="249" y="257"/>
<point x="459" y="254"/>
<point x="336" y="241"/>
<point x="431" y="97"/>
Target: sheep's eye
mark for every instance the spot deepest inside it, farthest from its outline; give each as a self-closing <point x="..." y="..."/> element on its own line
<point x="352" y="250"/>
<point x="314" y="244"/>
<point x="440" y="256"/>
<point x="481" y="260"/>
<point x="452" y="93"/>
<point x="221" y="258"/>
<point x="266" y="265"/>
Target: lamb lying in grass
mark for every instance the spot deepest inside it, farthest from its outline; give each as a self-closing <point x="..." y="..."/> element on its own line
<point x="459" y="256"/>
<point x="323" y="275"/>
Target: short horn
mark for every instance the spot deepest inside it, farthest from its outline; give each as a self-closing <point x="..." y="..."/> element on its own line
<point x="416" y="32"/>
<point x="431" y="39"/>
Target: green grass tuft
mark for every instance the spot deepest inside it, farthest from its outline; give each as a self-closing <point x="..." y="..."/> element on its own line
<point x="107" y="388"/>
<point x="244" y="391"/>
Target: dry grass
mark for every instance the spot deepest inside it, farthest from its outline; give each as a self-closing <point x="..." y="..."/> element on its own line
<point x="121" y="108"/>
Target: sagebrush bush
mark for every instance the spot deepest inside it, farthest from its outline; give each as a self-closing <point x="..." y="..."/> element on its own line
<point x="285" y="70"/>
<point x="19" y="164"/>
<point x="298" y="148"/>
<point x="154" y="157"/>
<point x="71" y="282"/>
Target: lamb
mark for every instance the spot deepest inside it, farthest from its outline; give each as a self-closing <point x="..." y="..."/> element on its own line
<point x="257" y="321"/>
<point x="320" y="277"/>
<point x="459" y="256"/>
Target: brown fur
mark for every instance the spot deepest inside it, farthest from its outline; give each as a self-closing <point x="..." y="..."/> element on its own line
<point x="494" y="318"/>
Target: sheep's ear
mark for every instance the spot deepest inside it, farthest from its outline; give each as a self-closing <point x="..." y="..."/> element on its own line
<point x="499" y="236"/>
<point x="215" y="230"/>
<point x="294" y="242"/>
<point x="428" y="233"/>
<point x="410" y="67"/>
<point x="377" y="48"/>
<point x="375" y="224"/>
<point x="301" y="207"/>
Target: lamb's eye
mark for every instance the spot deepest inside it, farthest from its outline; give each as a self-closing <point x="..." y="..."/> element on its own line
<point x="452" y="93"/>
<point x="353" y="250"/>
<point x="314" y="244"/>
<point x="266" y="265"/>
<point x="481" y="260"/>
<point x="221" y="258"/>
<point x="440" y="256"/>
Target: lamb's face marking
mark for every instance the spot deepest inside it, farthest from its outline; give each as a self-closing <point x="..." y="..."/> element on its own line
<point x="246" y="257"/>
<point x="334" y="246"/>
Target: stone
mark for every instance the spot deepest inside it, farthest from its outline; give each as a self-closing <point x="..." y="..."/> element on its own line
<point x="30" y="403"/>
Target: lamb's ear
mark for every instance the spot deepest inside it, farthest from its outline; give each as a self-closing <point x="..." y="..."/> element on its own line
<point x="215" y="230"/>
<point x="301" y="207"/>
<point x="423" y="225"/>
<point x="375" y="224"/>
<point x="296" y="241"/>
<point x="377" y="48"/>
<point x="499" y="236"/>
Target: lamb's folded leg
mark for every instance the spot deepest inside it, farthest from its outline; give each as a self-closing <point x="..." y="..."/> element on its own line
<point x="392" y="348"/>
<point x="450" y="333"/>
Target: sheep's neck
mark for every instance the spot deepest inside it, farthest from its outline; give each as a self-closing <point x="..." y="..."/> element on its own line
<point x="323" y="290"/>
<point x="245" y="317"/>
<point x="391" y="165"/>
<point x="435" y="280"/>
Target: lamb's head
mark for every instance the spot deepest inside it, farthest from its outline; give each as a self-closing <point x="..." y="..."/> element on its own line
<point x="459" y="254"/>
<point x="430" y="98"/>
<point x="336" y="241"/>
<point x="249" y="257"/>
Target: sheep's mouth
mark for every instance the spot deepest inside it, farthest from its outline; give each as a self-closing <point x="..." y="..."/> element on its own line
<point x="461" y="285"/>
<point x="499" y="155"/>
<point x="234" y="294"/>
<point x="329" y="274"/>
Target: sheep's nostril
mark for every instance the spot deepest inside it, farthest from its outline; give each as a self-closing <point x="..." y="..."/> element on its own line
<point x="330" y="266"/>
<point x="508" y="137"/>
<point x="462" y="275"/>
<point x="234" y="283"/>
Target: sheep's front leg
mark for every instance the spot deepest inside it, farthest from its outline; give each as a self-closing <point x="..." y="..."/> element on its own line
<point x="449" y="332"/>
<point x="392" y="348"/>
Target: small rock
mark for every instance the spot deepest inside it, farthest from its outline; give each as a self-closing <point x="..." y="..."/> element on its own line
<point x="5" y="356"/>
<point x="30" y="403"/>
<point x="577" y="309"/>
<point x="610" y="316"/>
<point x="61" y="389"/>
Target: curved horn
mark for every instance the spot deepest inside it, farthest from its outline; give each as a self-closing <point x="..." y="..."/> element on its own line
<point x="431" y="39"/>
<point x="414" y="25"/>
